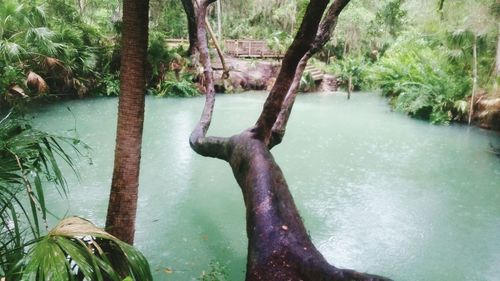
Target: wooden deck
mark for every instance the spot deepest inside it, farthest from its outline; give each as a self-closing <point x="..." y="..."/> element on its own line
<point x="243" y="48"/>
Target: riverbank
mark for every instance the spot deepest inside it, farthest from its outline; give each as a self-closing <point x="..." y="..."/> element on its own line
<point x="257" y="74"/>
<point x="487" y="111"/>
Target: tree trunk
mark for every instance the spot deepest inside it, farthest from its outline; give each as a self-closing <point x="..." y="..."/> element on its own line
<point x="497" y="62"/>
<point x="219" y="22"/>
<point x="191" y="19"/>
<point x="349" y="87"/>
<point x="474" y="79"/>
<point x="440" y="9"/>
<point x="279" y="247"/>
<point x="122" y="207"/>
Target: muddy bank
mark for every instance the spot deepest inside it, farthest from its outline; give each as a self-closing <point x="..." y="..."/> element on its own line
<point x="248" y="74"/>
<point x="487" y="111"/>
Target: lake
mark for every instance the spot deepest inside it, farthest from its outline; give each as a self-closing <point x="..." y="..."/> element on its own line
<point x="379" y="192"/>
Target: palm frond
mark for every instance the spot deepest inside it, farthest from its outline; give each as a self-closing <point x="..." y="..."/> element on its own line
<point x="10" y="50"/>
<point x="78" y="250"/>
<point x="28" y="163"/>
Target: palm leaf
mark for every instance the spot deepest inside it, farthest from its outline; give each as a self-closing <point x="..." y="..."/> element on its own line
<point x="77" y="248"/>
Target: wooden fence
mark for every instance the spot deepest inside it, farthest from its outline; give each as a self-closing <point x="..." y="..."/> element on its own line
<point x="243" y="48"/>
<point x="249" y="48"/>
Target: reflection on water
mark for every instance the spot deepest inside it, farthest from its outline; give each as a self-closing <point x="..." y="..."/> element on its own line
<point x="379" y="192"/>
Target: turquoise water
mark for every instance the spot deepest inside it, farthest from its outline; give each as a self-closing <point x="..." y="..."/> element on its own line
<point x="379" y="192"/>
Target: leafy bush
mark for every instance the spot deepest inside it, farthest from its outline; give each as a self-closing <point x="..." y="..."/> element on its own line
<point x="421" y="82"/>
<point x="307" y="83"/>
<point x="280" y="41"/>
<point x="350" y="67"/>
<point x="181" y="88"/>
<point x="111" y="84"/>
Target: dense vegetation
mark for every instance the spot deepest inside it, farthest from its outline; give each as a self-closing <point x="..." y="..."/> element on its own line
<point x="420" y="56"/>
<point x="54" y="48"/>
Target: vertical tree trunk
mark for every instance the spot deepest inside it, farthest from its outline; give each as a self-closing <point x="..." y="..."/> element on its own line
<point x="440" y="9"/>
<point x="191" y="19"/>
<point x="219" y="22"/>
<point x="122" y="207"/>
<point x="474" y="78"/>
<point x="81" y="5"/>
<point x="349" y="87"/>
<point x="497" y="62"/>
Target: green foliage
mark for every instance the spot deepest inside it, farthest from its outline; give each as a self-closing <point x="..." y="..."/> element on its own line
<point x="55" y="42"/>
<point x="351" y="67"/>
<point x="421" y="82"/>
<point x="307" y="83"/>
<point x="280" y="41"/>
<point x="392" y="16"/>
<point x="159" y="55"/>
<point x="112" y="85"/>
<point x="28" y="164"/>
<point x="169" y="18"/>
<point x="77" y="250"/>
<point x="217" y="272"/>
<point x="183" y="88"/>
<point x="260" y="18"/>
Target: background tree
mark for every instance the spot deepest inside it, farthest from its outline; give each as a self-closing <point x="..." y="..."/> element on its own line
<point x="122" y="206"/>
<point x="279" y="245"/>
<point x="191" y="22"/>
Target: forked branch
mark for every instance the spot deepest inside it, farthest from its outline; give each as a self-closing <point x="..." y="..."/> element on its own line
<point x="325" y="30"/>
<point x="314" y="32"/>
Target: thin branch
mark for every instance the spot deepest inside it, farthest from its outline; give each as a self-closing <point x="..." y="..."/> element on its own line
<point x="279" y="127"/>
<point x="206" y="146"/>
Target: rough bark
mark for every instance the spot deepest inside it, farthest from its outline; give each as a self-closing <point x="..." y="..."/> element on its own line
<point x="191" y="19"/>
<point x="122" y="206"/>
<point x="497" y="62"/>
<point x="279" y="247"/>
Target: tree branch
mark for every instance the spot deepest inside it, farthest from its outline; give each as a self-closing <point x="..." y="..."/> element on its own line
<point x="199" y="142"/>
<point x="325" y="30"/>
<point x="309" y="38"/>
<point x="299" y="47"/>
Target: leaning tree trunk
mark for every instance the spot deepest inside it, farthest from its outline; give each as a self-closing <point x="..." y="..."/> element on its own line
<point x="191" y="19"/>
<point x="279" y="247"/>
<point x="122" y="207"/>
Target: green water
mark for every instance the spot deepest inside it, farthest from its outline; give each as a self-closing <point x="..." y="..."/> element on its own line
<point x="379" y="192"/>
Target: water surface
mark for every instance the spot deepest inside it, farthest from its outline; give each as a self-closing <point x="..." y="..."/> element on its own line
<point x="379" y="192"/>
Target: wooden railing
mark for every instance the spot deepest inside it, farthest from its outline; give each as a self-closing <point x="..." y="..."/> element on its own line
<point x="246" y="48"/>
<point x="249" y="48"/>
